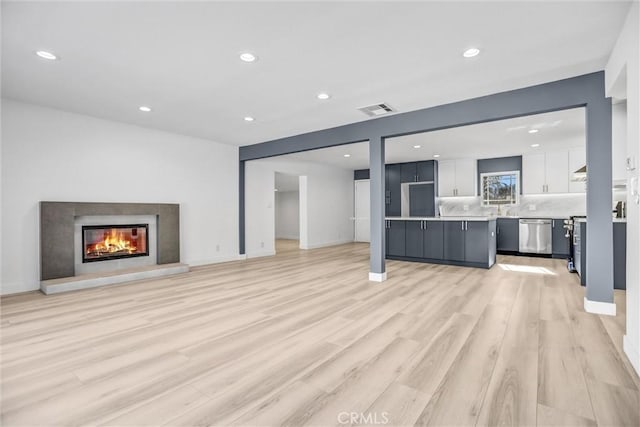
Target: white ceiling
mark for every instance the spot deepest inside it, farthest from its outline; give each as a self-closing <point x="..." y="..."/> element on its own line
<point x="182" y="58"/>
<point x="556" y="131"/>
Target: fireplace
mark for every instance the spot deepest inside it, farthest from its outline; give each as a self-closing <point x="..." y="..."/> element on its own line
<point x="107" y="242"/>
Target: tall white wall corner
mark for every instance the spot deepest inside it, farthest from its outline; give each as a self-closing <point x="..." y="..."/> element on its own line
<point x="632" y="353"/>
<point x="377" y="277"/>
<point x="597" y="307"/>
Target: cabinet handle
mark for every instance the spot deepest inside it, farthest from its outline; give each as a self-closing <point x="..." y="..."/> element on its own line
<point x="462" y="225"/>
<point x="425" y="224"/>
<point x="553" y="223"/>
<point x="497" y="230"/>
<point x="466" y="225"/>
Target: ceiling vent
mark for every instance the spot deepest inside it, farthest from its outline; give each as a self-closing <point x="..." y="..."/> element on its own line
<point x="377" y="109"/>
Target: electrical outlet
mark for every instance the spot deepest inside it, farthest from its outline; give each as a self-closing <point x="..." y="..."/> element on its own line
<point x="465" y="207"/>
<point x="532" y="207"/>
<point x="262" y="244"/>
<point x="217" y="248"/>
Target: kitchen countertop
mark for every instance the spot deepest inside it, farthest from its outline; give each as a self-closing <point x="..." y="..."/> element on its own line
<point x="614" y="220"/>
<point x="440" y="218"/>
<point x="469" y="218"/>
<point x="532" y="216"/>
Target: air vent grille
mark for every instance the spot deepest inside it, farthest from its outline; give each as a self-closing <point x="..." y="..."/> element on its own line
<point x="377" y="109"/>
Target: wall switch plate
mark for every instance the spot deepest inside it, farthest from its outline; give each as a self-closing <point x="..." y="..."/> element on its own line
<point x="217" y="248"/>
<point x="532" y="207"/>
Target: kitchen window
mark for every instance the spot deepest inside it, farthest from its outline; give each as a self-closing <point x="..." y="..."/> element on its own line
<point x="500" y="188"/>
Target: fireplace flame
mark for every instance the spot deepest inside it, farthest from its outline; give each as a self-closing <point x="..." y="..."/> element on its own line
<point x="113" y="242"/>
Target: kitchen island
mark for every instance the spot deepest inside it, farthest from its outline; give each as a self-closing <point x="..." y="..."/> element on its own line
<point x="463" y="241"/>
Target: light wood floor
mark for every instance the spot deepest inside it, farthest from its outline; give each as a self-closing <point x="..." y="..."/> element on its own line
<point x="303" y="338"/>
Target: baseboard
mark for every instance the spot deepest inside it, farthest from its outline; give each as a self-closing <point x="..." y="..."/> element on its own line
<point x="260" y="254"/>
<point x="218" y="260"/>
<point x="632" y="353"/>
<point x="597" y="307"/>
<point x="377" y="277"/>
<point x="327" y="244"/>
<point x="288" y="237"/>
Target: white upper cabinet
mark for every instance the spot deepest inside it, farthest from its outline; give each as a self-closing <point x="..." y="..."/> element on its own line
<point x="446" y="178"/>
<point x="533" y="176"/>
<point x="549" y="172"/>
<point x="457" y="177"/>
<point x="577" y="159"/>
<point x="557" y="171"/>
<point x="466" y="177"/>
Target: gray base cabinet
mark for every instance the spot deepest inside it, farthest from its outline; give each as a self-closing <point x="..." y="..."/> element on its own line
<point x="466" y="243"/>
<point x="433" y="240"/>
<point x="414" y="239"/>
<point x="476" y="241"/>
<point x="559" y="241"/>
<point x="508" y="231"/>
<point x="454" y="240"/>
<point x="395" y="243"/>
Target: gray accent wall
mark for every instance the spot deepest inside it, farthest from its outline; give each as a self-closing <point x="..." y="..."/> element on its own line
<point x="499" y="164"/>
<point x="57" y="221"/>
<point x="581" y="91"/>
<point x="360" y="174"/>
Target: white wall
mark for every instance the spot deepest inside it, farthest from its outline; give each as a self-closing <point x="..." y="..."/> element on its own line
<point x="53" y="155"/>
<point x="619" y="141"/>
<point x="326" y="204"/>
<point x="622" y="75"/>
<point x="287" y="215"/>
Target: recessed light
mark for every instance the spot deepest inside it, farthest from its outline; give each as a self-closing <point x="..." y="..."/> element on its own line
<point x="417" y="146"/>
<point x="347" y="155"/>
<point x="535" y="145"/>
<point x="248" y="57"/>
<point x="534" y="130"/>
<point x="471" y="52"/>
<point x="249" y="119"/>
<point x="323" y="96"/>
<point x="46" y="55"/>
<point x="144" y="108"/>
<point x="436" y="155"/>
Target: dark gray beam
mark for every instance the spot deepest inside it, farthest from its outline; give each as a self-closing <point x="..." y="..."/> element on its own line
<point x="559" y="95"/>
<point x="377" y="177"/>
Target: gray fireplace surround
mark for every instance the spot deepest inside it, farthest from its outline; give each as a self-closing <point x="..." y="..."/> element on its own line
<point x="57" y="231"/>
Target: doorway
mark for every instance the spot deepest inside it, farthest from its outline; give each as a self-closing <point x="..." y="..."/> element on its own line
<point x="287" y="211"/>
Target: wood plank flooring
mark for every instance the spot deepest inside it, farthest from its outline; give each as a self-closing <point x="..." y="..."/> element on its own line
<point x="303" y="338"/>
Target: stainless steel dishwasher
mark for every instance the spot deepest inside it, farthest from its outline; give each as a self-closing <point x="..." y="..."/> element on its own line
<point x="535" y="236"/>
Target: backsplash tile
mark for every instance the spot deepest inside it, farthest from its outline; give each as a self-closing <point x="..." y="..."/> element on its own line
<point x="543" y="205"/>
